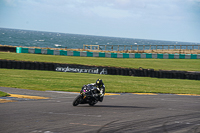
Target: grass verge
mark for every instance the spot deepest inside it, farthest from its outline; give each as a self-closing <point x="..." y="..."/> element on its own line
<point x="156" y="64"/>
<point x="3" y="94"/>
<point x="60" y="81"/>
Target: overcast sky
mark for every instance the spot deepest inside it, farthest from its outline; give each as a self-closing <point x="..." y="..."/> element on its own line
<point x="171" y="20"/>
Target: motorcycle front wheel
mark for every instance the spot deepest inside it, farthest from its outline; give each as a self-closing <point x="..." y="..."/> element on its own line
<point x="77" y="100"/>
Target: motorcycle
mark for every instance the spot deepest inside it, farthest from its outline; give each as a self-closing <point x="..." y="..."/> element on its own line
<point x="88" y="95"/>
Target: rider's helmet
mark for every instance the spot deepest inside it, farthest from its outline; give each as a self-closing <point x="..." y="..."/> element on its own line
<point x="99" y="82"/>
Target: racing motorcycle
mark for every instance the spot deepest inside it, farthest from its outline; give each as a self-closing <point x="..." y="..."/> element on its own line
<point x="88" y="95"/>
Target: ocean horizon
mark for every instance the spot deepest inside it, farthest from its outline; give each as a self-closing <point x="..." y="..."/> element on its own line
<point x="44" y="39"/>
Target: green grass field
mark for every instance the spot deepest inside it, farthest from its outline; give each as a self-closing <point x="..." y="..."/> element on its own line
<point x="3" y="94"/>
<point x="156" y="64"/>
<point x="60" y="81"/>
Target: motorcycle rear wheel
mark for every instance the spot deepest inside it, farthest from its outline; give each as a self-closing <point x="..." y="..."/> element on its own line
<point x="76" y="100"/>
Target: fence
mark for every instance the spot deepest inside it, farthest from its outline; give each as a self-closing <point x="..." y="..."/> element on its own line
<point x="140" y="47"/>
<point x="106" y="54"/>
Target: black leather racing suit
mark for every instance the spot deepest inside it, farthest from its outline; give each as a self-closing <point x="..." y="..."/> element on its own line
<point x="101" y="89"/>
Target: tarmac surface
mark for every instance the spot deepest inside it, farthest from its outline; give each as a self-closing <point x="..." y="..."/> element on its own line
<point x="52" y="112"/>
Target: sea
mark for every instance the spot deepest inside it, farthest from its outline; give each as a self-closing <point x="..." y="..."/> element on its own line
<point x="29" y="38"/>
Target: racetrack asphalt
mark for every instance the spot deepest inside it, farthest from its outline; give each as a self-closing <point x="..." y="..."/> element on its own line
<point x="153" y="113"/>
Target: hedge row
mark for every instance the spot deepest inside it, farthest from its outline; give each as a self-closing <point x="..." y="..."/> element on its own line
<point x="11" y="64"/>
<point x="8" y="48"/>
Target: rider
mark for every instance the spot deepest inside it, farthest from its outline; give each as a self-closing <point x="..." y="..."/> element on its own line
<point x="101" y="88"/>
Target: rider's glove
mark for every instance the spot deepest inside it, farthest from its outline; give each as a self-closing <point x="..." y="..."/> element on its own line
<point x="101" y="95"/>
